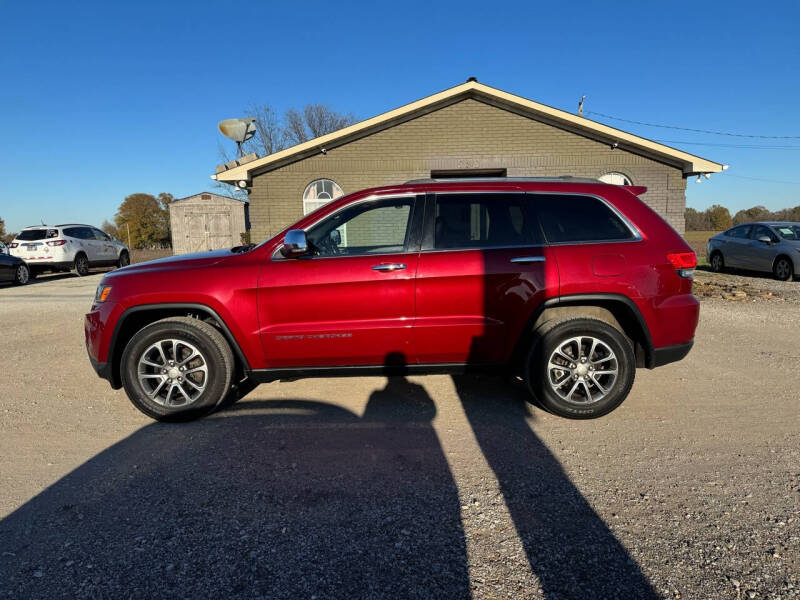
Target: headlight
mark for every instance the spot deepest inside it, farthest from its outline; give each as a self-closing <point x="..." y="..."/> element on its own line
<point x="102" y="293"/>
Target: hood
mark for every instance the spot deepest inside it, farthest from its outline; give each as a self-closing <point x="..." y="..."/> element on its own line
<point x="179" y="261"/>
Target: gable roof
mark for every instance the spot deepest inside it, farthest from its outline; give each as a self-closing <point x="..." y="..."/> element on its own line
<point x="217" y="197"/>
<point x="688" y="163"/>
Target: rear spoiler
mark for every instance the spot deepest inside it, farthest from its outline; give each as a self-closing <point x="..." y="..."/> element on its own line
<point x="636" y="190"/>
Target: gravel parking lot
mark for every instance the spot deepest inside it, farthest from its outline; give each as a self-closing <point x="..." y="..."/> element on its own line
<point x="427" y="487"/>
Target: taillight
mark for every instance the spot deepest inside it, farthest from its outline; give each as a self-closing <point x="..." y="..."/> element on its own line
<point x="14" y="244"/>
<point x="57" y="243"/>
<point x="684" y="263"/>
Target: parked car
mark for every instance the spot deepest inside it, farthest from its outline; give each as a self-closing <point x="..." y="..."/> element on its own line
<point x="68" y="247"/>
<point x="13" y="269"/>
<point x="769" y="246"/>
<point x="571" y="284"/>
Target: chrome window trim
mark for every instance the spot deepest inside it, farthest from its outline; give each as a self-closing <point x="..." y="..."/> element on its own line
<point x="637" y="236"/>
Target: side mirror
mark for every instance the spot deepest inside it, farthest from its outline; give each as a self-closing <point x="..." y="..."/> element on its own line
<point x="765" y="239"/>
<point x="295" y="244"/>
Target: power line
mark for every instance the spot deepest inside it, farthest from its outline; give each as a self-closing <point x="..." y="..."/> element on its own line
<point x="763" y="179"/>
<point x="751" y="146"/>
<point x="765" y="137"/>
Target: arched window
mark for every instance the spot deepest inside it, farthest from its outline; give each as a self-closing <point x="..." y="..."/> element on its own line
<point x="318" y="193"/>
<point x="616" y="178"/>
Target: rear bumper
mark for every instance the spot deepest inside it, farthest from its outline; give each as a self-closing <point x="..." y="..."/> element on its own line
<point x="669" y="354"/>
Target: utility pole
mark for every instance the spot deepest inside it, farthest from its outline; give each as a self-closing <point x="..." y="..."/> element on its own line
<point x="128" y="227"/>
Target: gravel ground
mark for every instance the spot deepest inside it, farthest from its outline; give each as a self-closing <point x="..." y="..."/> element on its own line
<point x="426" y="487"/>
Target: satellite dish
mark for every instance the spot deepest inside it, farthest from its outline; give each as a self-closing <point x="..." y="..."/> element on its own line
<point x="239" y="130"/>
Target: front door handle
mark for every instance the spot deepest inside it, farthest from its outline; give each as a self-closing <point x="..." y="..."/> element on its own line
<point x="527" y="259"/>
<point x="389" y="267"/>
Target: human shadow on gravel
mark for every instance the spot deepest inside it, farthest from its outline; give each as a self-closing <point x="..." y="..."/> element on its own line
<point x="569" y="547"/>
<point x="270" y="499"/>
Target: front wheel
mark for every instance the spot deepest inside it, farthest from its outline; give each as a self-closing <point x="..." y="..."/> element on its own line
<point x="177" y="369"/>
<point x="22" y="274"/>
<point x="783" y="269"/>
<point x="581" y="368"/>
<point x="124" y="259"/>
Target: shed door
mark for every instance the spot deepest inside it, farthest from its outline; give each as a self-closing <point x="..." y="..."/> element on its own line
<point x="218" y="226"/>
<point x="195" y="232"/>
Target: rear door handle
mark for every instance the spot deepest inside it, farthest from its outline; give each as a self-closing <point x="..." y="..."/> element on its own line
<point x="527" y="259"/>
<point x="389" y="267"/>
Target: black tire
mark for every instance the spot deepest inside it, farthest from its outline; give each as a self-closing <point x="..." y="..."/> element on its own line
<point x="783" y="269"/>
<point x="215" y="352"/>
<point x="81" y="265"/>
<point x="537" y="373"/>
<point x="124" y="259"/>
<point x="22" y="274"/>
<point x="717" y="262"/>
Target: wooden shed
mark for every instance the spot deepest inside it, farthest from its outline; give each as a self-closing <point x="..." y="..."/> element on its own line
<point x="206" y="221"/>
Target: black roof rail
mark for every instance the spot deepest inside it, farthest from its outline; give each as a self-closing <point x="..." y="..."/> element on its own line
<point x="560" y="178"/>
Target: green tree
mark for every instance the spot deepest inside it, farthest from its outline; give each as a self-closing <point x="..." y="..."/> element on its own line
<point x="145" y="219"/>
<point x="748" y="215"/>
<point x="719" y="217"/>
<point x="2" y="229"/>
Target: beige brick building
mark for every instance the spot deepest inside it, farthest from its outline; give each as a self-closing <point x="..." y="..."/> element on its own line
<point x="468" y="130"/>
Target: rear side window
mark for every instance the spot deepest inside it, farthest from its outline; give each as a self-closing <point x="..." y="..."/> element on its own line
<point x="743" y="231"/>
<point x="30" y="235"/>
<point x="579" y="219"/>
<point x="484" y="220"/>
<point x="81" y="233"/>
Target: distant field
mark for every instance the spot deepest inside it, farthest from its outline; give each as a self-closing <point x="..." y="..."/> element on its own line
<point x="138" y="256"/>
<point x="697" y="240"/>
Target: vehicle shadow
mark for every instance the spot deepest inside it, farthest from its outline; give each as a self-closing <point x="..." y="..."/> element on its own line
<point x="739" y="272"/>
<point x="569" y="547"/>
<point x="271" y="498"/>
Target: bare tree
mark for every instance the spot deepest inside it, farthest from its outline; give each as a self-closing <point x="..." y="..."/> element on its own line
<point x="315" y="120"/>
<point x="270" y="133"/>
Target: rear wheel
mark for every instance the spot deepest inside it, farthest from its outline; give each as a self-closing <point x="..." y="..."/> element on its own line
<point x="581" y="368"/>
<point x="783" y="269"/>
<point x="124" y="259"/>
<point x="717" y="262"/>
<point x="177" y="369"/>
<point x="22" y="274"/>
<point x="81" y="264"/>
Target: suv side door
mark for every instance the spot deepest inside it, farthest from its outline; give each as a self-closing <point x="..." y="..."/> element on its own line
<point x="351" y="302"/>
<point x="482" y="272"/>
<point x="105" y="246"/>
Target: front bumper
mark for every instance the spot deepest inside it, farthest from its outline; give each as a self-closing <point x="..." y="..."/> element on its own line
<point x="98" y="338"/>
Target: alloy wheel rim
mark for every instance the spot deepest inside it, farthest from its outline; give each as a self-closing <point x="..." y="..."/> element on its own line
<point x="22" y="274"/>
<point x="582" y="370"/>
<point x="172" y="373"/>
<point x="783" y="269"/>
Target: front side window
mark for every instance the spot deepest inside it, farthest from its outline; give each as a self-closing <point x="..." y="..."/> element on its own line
<point x="318" y="193"/>
<point x="760" y="231"/>
<point x="374" y="227"/>
<point x="484" y="220"/>
<point x="579" y="219"/>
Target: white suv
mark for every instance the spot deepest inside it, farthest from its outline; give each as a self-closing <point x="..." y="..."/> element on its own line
<point x="68" y="247"/>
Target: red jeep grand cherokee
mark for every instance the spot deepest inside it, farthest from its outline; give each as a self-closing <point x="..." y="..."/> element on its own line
<point x="569" y="283"/>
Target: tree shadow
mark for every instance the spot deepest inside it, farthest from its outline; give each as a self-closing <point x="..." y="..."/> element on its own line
<point x="569" y="547"/>
<point x="274" y="499"/>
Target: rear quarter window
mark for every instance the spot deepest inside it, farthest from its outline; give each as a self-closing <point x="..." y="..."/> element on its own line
<point x="580" y="219"/>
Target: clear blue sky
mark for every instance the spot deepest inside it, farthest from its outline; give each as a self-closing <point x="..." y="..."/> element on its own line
<point x="100" y="100"/>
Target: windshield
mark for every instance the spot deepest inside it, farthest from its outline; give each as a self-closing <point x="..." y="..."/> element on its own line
<point x="37" y="234"/>
<point x="789" y="232"/>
